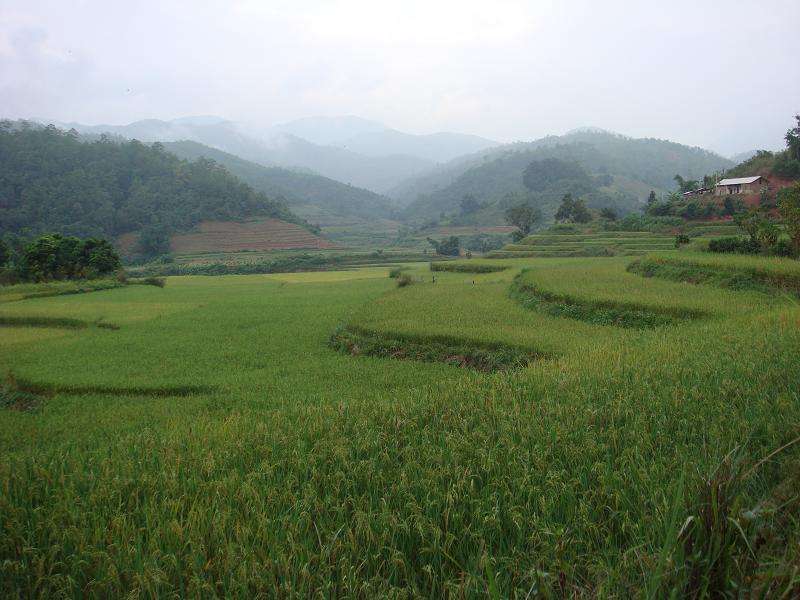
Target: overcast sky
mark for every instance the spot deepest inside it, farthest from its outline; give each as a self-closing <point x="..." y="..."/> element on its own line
<point x="719" y="74"/>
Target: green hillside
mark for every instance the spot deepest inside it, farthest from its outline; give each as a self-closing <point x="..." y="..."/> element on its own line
<point x="313" y="196"/>
<point x="51" y="180"/>
<point x="631" y="167"/>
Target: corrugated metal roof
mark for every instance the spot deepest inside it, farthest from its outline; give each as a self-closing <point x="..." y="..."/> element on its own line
<point x="739" y="180"/>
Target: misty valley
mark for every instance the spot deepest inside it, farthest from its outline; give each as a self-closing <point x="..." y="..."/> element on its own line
<point x="461" y="346"/>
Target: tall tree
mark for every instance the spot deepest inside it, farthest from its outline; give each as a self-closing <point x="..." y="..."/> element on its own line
<point x="523" y="217"/>
<point x="789" y="205"/>
<point x="469" y="204"/>
<point x="793" y="140"/>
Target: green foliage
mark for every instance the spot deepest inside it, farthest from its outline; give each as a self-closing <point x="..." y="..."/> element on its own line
<point x="470" y="267"/>
<point x="556" y="174"/>
<point x="573" y="211"/>
<point x="469" y="204"/>
<point x="154" y="240"/>
<point x="766" y="275"/>
<point x="449" y="246"/>
<point x="54" y="256"/>
<point x="50" y="180"/>
<point x="792" y="138"/>
<point x="681" y="239"/>
<point x="404" y="280"/>
<point x="686" y="185"/>
<point x="731" y="245"/>
<point x="523" y="217"/>
<point x="5" y="254"/>
<point x="789" y="205"/>
<point x="608" y="213"/>
<point x="681" y="207"/>
<point x="483" y="242"/>
<point x="612" y="171"/>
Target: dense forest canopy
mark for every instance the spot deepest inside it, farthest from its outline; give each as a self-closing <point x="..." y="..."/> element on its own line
<point x="52" y="181"/>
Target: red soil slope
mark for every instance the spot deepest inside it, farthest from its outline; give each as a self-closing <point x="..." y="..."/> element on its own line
<point x="230" y="236"/>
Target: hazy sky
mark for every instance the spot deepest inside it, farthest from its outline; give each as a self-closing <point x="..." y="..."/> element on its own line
<point x="719" y="74"/>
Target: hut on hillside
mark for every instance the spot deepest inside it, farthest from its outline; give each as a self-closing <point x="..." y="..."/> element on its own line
<point x="740" y="185"/>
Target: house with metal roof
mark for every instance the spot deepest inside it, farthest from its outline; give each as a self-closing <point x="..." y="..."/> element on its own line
<point x="740" y="185"/>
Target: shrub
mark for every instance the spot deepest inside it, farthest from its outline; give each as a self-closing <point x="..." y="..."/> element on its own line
<point x="681" y="239"/>
<point x="404" y="280"/>
<point x="395" y="273"/>
<point x="731" y="245"/>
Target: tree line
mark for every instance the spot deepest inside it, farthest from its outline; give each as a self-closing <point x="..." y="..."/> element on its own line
<point x="50" y="180"/>
<point x="54" y="256"/>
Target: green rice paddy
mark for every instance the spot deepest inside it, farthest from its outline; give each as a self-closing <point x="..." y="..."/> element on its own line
<point x="215" y="445"/>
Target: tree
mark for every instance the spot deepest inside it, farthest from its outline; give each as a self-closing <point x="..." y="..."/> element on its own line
<point x="154" y="240"/>
<point x="749" y="222"/>
<point x="55" y="256"/>
<point x="793" y="140"/>
<point x="523" y="217"/>
<point x="651" y="199"/>
<point x="469" y="204"/>
<point x="447" y="247"/>
<point x="581" y="214"/>
<point x="608" y="213"/>
<point x="99" y="256"/>
<point x="729" y="207"/>
<point x="686" y="185"/>
<point x="556" y="174"/>
<point x="789" y="205"/>
<point x="564" y="212"/>
<point x="5" y="254"/>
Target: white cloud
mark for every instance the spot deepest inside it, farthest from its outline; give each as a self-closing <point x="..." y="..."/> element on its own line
<point x="691" y="71"/>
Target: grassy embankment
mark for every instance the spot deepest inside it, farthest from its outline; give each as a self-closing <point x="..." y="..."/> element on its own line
<point x="589" y="241"/>
<point x="215" y="445"/>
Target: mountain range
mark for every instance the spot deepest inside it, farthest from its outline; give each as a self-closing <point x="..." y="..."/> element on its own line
<point x="350" y="150"/>
<point x="335" y="170"/>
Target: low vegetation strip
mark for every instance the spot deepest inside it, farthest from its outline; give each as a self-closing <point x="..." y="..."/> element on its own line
<point x="754" y="274"/>
<point x="36" y="321"/>
<point x="460" y="353"/>
<point x="467" y="267"/>
<point x="601" y="312"/>
<point x="40" y="390"/>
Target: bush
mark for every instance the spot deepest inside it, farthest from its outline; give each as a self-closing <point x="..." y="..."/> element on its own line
<point x="404" y="280"/>
<point x="731" y="245"/>
<point x="395" y="273"/>
<point x="681" y="239"/>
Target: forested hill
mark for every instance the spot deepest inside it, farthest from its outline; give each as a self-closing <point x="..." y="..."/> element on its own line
<point x="631" y="166"/>
<point x="298" y="189"/>
<point x="51" y="181"/>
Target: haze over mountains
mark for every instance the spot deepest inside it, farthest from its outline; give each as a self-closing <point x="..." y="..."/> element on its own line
<point x="348" y="149"/>
<point x="361" y="174"/>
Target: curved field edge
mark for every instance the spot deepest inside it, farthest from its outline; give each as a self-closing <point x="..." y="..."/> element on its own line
<point x="460" y="267"/>
<point x="600" y="312"/>
<point x="451" y="351"/>
<point x="566" y="476"/>
<point x="731" y="276"/>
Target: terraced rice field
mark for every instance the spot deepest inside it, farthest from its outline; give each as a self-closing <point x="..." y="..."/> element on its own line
<point x="555" y="243"/>
<point x="587" y="244"/>
<point x="220" y="443"/>
<point x="232" y="236"/>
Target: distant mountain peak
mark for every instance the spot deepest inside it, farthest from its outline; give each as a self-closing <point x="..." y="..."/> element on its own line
<point x="328" y="131"/>
<point x="590" y="129"/>
<point x="199" y="120"/>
